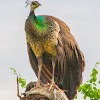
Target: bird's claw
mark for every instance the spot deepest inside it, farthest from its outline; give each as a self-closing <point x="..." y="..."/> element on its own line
<point x="53" y="86"/>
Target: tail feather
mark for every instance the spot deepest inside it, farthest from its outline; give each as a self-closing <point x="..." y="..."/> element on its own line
<point x="73" y="72"/>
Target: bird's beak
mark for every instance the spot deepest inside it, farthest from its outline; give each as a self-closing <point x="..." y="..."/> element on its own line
<point x="40" y="4"/>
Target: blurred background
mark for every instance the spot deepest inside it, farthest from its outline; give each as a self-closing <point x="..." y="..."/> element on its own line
<point x="83" y="19"/>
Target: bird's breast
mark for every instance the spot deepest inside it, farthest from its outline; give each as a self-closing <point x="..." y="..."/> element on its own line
<point x="39" y="46"/>
<point x="50" y="43"/>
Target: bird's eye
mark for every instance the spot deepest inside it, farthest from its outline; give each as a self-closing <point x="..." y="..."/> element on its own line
<point x="33" y="3"/>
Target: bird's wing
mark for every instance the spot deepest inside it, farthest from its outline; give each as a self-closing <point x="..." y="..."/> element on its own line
<point x="73" y="61"/>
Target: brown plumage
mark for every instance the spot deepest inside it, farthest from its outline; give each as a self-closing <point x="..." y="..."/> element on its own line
<point x="69" y="63"/>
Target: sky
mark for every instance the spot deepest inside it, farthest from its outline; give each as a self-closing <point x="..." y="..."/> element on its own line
<point x="83" y="19"/>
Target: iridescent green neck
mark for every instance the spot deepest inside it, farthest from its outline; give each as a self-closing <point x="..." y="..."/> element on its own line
<point x="38" y="24"/>
<point x="39" y="20"/>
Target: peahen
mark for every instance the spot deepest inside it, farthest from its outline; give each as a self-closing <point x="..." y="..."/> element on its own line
<point x="53" y="52"/>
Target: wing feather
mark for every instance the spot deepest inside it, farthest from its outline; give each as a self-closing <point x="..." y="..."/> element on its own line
<point x="73" y="62"/>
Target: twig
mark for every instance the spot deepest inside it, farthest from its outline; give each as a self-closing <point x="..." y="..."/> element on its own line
<point x="18" y="88"/>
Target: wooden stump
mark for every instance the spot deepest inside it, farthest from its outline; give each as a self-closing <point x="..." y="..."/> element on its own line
<point x="43" y="93"/>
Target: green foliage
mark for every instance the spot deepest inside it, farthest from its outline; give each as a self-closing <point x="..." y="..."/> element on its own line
<point x="89" y="89"/>
<point x="75" y="96"/>
<point x="20" y="80"/>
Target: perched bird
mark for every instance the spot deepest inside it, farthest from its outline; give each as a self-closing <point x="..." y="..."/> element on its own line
<point x="53" y="52"/>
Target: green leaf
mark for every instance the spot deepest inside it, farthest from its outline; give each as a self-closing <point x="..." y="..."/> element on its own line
<point x="99" y="92"/>
<point x="80" y="88"/>
<point x="99" y="82"/>
<point x="94" y="71"/>
<point x="93" y="74"/>
<point x="20" y="80"/>
<point x="97" y="63"/>
<point x="95" y="89"/>
<point x="14" y="71"/>
<point x="94" y="84"/>
<point x="94" y="78"/>
<point x="23" y="84"/>
<point x="85" y="96"/>
<point x="87" y="86"/>
<point x="75" y="96"/>
<point x="91" y="80"/>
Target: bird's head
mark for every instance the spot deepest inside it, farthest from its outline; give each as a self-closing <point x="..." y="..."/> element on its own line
<point x="34" y="5"/>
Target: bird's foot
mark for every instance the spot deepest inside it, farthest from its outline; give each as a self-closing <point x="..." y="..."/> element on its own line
<point x="53" y="86"/>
